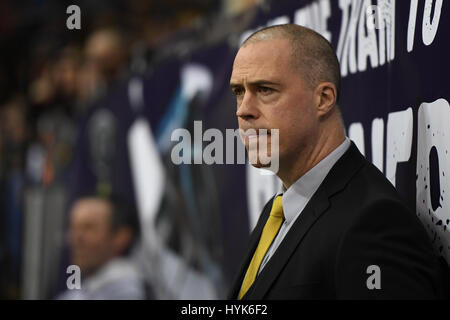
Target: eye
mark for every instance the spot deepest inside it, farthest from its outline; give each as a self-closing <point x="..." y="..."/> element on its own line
<point x="238" y="91"/>
<point x="265" y="90"/>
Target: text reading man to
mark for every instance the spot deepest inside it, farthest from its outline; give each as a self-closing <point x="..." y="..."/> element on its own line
<point x="338" y="229"/>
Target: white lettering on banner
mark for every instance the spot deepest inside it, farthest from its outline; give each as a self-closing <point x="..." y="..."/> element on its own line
<point x="344" y="5"/>
<point x="412" y="24"/>
<point x="399" y="141"/>
<point x="378" y="143"/>
<point x="315" y="16"/>
<point x="433" y="161"/>
<point x="380" y="49"/>
<point x="367" y="44"/>
<point x="386" y="30"/>
<point x="347" y="50"/>
<point x="429" y="28"/>
<point x="356" y="133"/>
<point x="367" y="29"/>
<point x="372" y="17"/>
<point x="433" y="171"/>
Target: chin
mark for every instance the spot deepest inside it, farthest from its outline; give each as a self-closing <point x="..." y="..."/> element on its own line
<point x="259" y="165"/>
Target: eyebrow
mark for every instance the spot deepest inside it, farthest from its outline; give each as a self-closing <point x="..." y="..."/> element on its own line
<point x="255" y="83"/>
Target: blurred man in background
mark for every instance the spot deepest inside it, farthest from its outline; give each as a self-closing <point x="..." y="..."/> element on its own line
<point x="101" y="232"/>
<point x="105" y="60"/>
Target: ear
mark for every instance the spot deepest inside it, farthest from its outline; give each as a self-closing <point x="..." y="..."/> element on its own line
<point x="326" y="96"/>
<point x="122" y="239"/>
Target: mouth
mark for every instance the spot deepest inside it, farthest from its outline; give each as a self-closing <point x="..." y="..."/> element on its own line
<point x="251" y="136"/>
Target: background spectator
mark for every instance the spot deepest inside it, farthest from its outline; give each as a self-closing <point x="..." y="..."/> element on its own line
<point x="101" y="232"/>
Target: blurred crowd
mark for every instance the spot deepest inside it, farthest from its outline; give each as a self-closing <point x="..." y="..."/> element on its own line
<point x="49" y="76"/>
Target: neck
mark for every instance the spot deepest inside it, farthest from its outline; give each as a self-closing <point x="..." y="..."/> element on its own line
<point x="310" y="156"/>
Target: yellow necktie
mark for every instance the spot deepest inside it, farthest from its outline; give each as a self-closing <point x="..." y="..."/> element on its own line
<point x="269" y="232"/>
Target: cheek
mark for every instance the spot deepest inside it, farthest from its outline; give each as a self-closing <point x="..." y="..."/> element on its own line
<point x="94" y="239"/>
<point x="295" y="126"/>
<point x="284" y="117"/>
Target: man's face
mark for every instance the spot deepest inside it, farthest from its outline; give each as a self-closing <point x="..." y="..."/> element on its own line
<point x="271" y="94"/>
<point x="90" y="236"/>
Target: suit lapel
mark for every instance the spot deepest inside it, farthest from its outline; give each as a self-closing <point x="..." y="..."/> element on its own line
<point x="316" y="206"/>
<point x="336" y="180"/>
<point x="253" y="242"/>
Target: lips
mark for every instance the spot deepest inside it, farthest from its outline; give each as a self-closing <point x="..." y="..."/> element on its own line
<point x="250" y="132"/>
<point x="250" y="136"/>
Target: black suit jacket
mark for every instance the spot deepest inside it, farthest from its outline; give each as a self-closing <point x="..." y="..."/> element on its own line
<point x="356" y="219"/>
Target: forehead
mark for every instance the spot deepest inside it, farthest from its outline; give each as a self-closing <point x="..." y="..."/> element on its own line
<point x="262" y="59"/>
<point x="90" y="210"/>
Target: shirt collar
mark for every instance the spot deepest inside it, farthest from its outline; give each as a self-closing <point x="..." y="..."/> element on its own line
<point x="298" y="194"/>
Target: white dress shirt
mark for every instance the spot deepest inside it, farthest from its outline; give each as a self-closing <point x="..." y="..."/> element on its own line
<point x="297" y="196"/>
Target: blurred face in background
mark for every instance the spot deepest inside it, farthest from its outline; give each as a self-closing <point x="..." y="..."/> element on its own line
<point x="91" y="237"/>
<point x="65" y="73"/>
<point x="104" y="58"/>
<point x="105" y="52"/>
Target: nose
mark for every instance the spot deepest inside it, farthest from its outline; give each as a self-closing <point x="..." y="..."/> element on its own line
<point x="247" y="107"/>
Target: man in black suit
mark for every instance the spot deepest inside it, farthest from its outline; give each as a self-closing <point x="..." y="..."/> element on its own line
<point x="337" y="229"/>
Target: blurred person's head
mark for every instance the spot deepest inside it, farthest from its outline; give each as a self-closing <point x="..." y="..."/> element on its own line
<point x="13" y="133"/>
<point x="106" y="52"/>
<point x="104" y="58"/>
<point x="65" y="71"/>
<point x="13" y="120"/>
<point x="56" y="76"/>
<point x="101" y="229"/>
